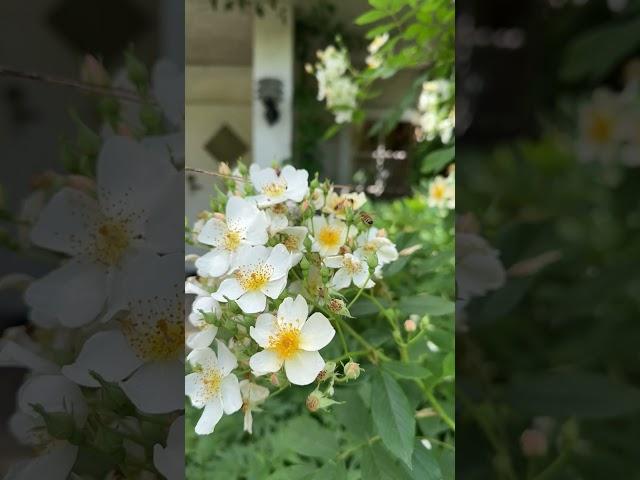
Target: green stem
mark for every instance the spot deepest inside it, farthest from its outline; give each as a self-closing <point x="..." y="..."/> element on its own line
<point x="341" y="334"/>
<point x="553" y="467"/>
<point x="361" y="340"/>
<point x="438" y="408"/>
<point x="351" y="450"/>
<point x="359" y="292"/>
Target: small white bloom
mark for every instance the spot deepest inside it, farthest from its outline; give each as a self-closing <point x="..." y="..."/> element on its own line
<point x="351" y="268"/>
<point x="599" y="127"/>
<point x="277" y="220"/>
<point x="244" y="224"/>
<point x="292" y="340"/>
<point x="204" y="332"/>
<point x="293" y="238"/>
<point x="260" y="272"/>
<point x="378" y="43"/>
<point x="328" y="235"/>
<point x="272" y="188"/>
<point x="212" y="386"/>
<point x="317" y="198"/>
<point x="371" y="242"/>
<point x="337" y="204"/>
<point x="252" y="396"/>
<point x="442" y="193"/>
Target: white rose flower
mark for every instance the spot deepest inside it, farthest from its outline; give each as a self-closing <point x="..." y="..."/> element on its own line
<point x="370" y="242"/>
<point x="252" y="396"/>
<point x="292" y="340"/>
<point x="351" y="268"/>
<point x="205" y="332"/>
<point x="293" y="239"/>
<point x="328" y="235"/>
<point x="101" y="234"/>
<point x="441" y="193"/>
<point x="272" y="188"/>
<point x="260" y="272"/>
<point x="212" y="386"/>
<point x="244" y="224"/>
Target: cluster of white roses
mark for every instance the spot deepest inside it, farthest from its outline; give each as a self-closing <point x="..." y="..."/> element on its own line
<point x="609" y="127"/>
<point x="277" y="252"/>
<point x="436" y="111"/>
<point x="336" y="85"/>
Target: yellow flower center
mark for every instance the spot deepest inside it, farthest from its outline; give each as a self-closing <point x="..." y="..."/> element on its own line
<point x="438" y="191"/>
<point x="231" y="240"/>
<point x="329" y="236"/>
<point x="274" y="189"/>
<point x="600" y="129"/>
<point x="291" y="242"/>
<point x="112" y="239"/>
<point x="255" y="279"/>
<point x="212" y="379"/>
<point x="352" y="265"/>
<point x="369" y="247"/>
<point x="160" y="340"/>
<point x="286" y="342"/>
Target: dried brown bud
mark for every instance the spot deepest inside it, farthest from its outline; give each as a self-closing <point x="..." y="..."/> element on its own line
<point x="533" y="443"/>
<point x="344" y="249"/>
<point x="352" y="370"/>
<point x="336" y="305"/>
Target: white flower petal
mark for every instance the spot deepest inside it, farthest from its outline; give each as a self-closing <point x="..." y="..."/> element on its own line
<point x="56" y="394"/>
<point x="264" y="328"/>
<point x="334" y="262"/>
<point x="360" y="278"/>
<point x="13" y="354"/>
<point x="280" y="260"/>
<point x="212" y="232"/>
<point x="257" y="231"/>
<point x="293" y="312"/>
<point x="214" y="263"/>
<point x="202" y="338"/>
<point x="169" y="460"/>
<point x="266" y="361"/>
<point x="226" y="360"/>
<point x="193" y="387"/>
<point x="387" y="254"/>
<point x="341" y="279"/>
<point x="106" y="353"/>
<point x="240" y="213"/>
<point x="274" y="288"/>
<point x="304" y="367"/>
<point x="316" y="333"/>
<point x="66" y="223"/>
<point x="206" y="304"/>
<point x="205" y="357"/>
<point x="54" y="464"/>
<point x="156" y="387"/>
<point x="252" y="302"/>
<point x="211" y="415"/>
<point x="57" y="293"/>
<point x="230" y="288"/>
<point x="230" y="392"/>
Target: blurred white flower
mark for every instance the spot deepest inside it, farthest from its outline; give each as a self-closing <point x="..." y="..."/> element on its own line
<point x="293" y="239"/>
<point x="292" y="340"/>
<point x="252" y="396"/>
<point x="442" y="193"/>
<point x="244" y="224"/>
<point x="600" y="127"/>
<point x="371" y="242"/>
<point x="212" y="386"/>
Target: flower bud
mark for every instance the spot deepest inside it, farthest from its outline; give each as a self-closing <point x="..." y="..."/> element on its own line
<point x="336" y="305"/>
<point x="326" y="372"/>
<point x="372" y="260"/>
<point x="275" y="381"/>
<point x="344" y="249"/>
<point x="223" y="169"/>
<point x="93" y="72"/>
<point x="410" y="325"/>
<point x="352" y="370"/>
<point x="219" y="216"/>
<point x="313" y="401"/>
<point x="533" y="443"/>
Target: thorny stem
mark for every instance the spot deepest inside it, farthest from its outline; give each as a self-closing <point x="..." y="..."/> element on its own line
<point x="121" y="93"/>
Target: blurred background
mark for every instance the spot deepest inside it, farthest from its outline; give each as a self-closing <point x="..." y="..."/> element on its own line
<point x="50" y="38"/>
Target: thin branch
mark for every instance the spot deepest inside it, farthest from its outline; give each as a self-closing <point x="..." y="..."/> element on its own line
<point x="121" y="93"/>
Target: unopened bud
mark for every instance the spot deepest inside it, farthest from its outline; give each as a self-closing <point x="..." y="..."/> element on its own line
<point x="275" y="381"/>
<point x="344" y="249"/>
<point x="223" y="169"/>
<point x="352" y="370"/>
<point x="326" y="372"/>
<point x="313" y="401"/>
<point x="218" y="215"/>
<point x="372" y="260"/>
<point x="410" y="325"/>
<point x="533" y="443"/>
<point x="336" y="305"/>
<point x="308" y="68"/>
<point x="93" y="72"/>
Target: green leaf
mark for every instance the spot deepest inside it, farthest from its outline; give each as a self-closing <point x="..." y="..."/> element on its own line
<point x="406" y="369"/>
<point x="579" y="394"/>
<point x="305" y="436"/>
<point x="427" y="305"/>
<point x="377" y="464"/>
<point x="392" y="416"/>
<point x="370" y="17"/>
<point x="293" y="472"/>
<point x="353" y="414"/>
<point x="437" y="160"/>
<point x="331" y="471"/>
<point x="585" y="56"/>
<point x="425" y="465"/>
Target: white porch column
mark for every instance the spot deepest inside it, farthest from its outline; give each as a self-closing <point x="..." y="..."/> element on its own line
<point x="273" y="58"/>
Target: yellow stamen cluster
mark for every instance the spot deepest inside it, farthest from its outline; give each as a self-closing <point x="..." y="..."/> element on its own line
<point x="254" y="279"/>
<point x="285" y="342"/>
<point x="231" y="240"/>
<point x="438" y="191"/>
<point x="111" y="241"/>
<point x="329" y="236"/>
<point x="291" y="243"/>
<point x="160" y="340"/>
<point x="274" y="189"/>
<point x="211" y="380"/>
<point x="351" y="264"/>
